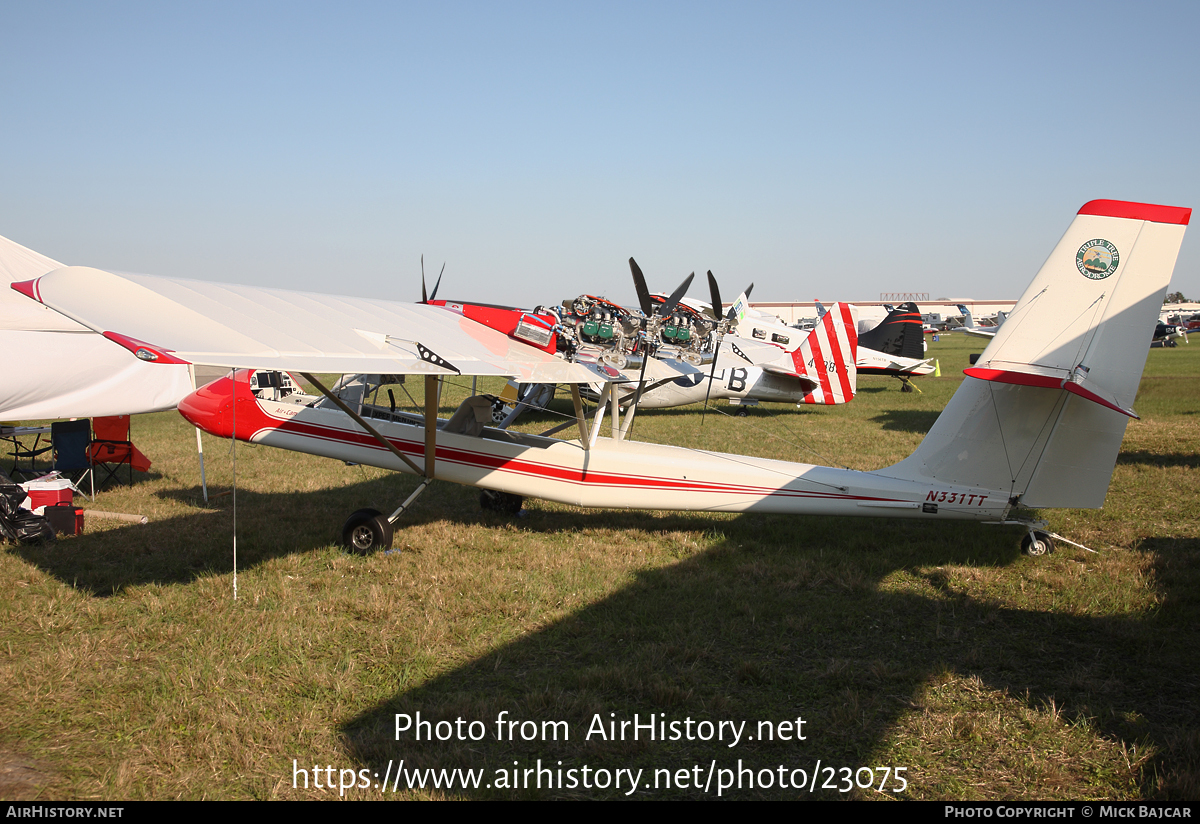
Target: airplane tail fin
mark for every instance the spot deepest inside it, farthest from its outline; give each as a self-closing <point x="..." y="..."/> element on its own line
<point x="1043" y="412"/>
<point x="827" y="356"/>
<point x="968" y="320"/>
<point x="900" y="333"/>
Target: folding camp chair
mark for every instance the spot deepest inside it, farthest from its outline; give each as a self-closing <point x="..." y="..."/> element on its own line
<point x="111" y="448"/>
<point x="70" y="440"/>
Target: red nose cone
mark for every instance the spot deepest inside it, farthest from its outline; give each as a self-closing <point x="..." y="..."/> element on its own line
<point x="208" y="408"/>
<point x="211" y="408"/>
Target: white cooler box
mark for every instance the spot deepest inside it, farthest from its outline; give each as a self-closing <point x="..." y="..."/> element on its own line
<point x="44" y="493"/>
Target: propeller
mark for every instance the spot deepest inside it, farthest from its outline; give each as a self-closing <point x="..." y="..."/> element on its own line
<point x="426" y="298"/>
<point x="651" y="317"/>
<point x="722" y="326"/>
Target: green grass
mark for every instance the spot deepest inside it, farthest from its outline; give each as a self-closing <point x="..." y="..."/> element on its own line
<point x="129" y="671"/>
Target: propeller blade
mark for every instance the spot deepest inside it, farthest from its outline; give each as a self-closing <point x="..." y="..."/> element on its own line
<point x="424" y="297"/>
<point x="673" y="301"/>
<point x="639" y="284"/>
<point x="714" y="295"/>
<point x="439" y="283"/>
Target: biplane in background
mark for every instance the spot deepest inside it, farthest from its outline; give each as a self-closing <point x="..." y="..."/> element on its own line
<point x="693" y="359"/>
<point x="1036" y="424"/>
<point x="1166" y="335"/>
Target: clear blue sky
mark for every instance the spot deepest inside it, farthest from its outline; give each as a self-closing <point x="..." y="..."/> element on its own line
<point x="534" y="147"/>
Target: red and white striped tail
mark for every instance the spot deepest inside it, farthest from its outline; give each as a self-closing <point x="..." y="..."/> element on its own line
<point x="828" y="354"/>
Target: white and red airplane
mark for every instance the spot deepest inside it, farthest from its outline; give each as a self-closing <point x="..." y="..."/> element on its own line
<point x="1036" y="424"/>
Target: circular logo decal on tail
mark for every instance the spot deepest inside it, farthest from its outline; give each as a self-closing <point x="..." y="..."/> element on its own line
<point x="1097" y="259"/>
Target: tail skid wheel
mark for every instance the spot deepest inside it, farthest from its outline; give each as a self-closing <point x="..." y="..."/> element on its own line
<point x="367" y="530"/>
<point x="1036" y="544"/>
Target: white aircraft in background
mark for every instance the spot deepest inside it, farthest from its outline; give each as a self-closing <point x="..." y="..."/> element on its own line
<point x="895" y="347"/>
<point x="695" y="359"/>
<point x="971" y="328"/>
<point x="822" y="370"/>
<point x="1037" y="424"/>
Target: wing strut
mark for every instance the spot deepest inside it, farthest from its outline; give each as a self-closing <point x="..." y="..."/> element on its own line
<point x="580" y="416"/>
<point x="605" y="395"/>
<point x="433" y="396"/>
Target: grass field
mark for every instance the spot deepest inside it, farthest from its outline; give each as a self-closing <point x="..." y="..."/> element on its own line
<point x="129" y="672"/>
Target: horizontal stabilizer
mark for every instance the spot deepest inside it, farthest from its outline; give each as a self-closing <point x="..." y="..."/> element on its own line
<point x="1025" y="375"/>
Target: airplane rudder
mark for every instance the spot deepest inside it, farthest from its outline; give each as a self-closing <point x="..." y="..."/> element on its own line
<point x="1042" y="415"/>
<point x="1089" y="312"/>
<point x="827" y="355"/>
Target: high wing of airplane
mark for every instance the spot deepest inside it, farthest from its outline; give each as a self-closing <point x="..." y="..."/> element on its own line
<point x="58" y="368"/>
<point x="1036" y="424"/>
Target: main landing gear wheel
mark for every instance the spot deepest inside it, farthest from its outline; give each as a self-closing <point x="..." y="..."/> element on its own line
<point x="505" y="502"/>
<point x="905" y="386"/>
<point x="742" y="412"/>
<point x="367" y="531"/>
<point x="1037" y="544"/>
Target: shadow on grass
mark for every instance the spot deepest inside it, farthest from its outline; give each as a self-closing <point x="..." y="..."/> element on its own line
<point x="783" y="618"/>
<point x="906" y="420"/>
<point x="177" y="550"/>
<point x="790" y="618"/>
<point x="1141" y="457"/>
